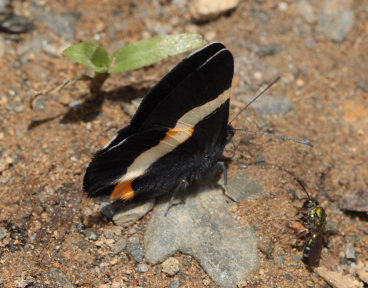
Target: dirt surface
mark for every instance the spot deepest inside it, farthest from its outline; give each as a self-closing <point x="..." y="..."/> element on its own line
<point x="43" y="208"/>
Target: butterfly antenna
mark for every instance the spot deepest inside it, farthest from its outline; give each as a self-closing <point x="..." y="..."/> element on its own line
<point x="304" y="142"/>
<point x="255" y="98"/>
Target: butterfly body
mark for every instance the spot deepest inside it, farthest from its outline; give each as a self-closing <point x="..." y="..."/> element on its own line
<point x="177" y="135"/>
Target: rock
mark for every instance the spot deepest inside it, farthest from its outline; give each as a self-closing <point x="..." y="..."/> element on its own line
<point x="180" y="3"/>
<point x="15" y="24"/>
<point x="203" y="228"/>
<point x="23" y="283"/>
<point x="59" y="279"/>
<point x="336" y="19"/>
<point x="33" y="46"/>
<point x="3" y="233"/>
<point x="142" y="268"/>
<point x="356" y="201"/>
<point x="362" y="272"/>
<point x="202" y="10"/>
<point x="350" y="252"/>
<point x="270" y="105"/>
<point x="119" y="245"/>
<point x="242" y="186"/>
<point x="306" y="10"/>
<point x="131" y="108"/>
<point x="338" y="279"/>
<point x="2" y="47"/>
<point x="3" y="4"/>
<point x="187" y="261"/>
<point x="268" y="50"/>
<point x="363" y="84"/>
<point x="175" y="283"/>
<point x="63" y="24"/>
<point x="135" y="249"/>
<point x="132" y="212"/>
<point x="91" y="233"/>
<point x="280" y="258"/>
<point x="171" y="266"/>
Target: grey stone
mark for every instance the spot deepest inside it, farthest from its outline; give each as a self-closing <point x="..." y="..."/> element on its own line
<point x="336" y="20"/>
<point x="63" y="24"/>
<point x="3" y="4"/>
<point x="209" y="9"/>
<point x="3" y="233"/>
<point x="203" y="228"/>
<point x="171" y="266"/>
<point x="175" y="283"/>
<point x="2" y="47"/>
<point x="91" y="233"/>
<point x="142" y="268"/>
<point x="119" y="245"/>
<point x="306" y="10"/>
<point x="135" y="249"/>
<point x="350" y="252"/>
<point x="356" y="201"/>
<point x="288" y="277"/>
<point x="280" y="258"/>
<point x="131" y="108"/>
<point x="12" y="23"/>
<point x="268" y="50"/>
<point x="180" y="3"/>
<point x="34" y="46"/>
<point x="59" y="279"/>
<point x="363" y="84"/>
<point x="242" y="186"/>
<point x="270" y="105"/>
<point x="130" y="213"/>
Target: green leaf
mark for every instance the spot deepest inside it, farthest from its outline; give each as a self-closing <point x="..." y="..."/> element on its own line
<point x="90" y="55"/>
<point x="147" y="52"/>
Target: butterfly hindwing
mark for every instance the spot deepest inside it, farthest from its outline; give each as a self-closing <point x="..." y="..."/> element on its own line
<point x="180" y="127"/>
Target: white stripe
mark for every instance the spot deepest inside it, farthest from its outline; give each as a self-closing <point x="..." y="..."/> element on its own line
<point x="187" y="121"/>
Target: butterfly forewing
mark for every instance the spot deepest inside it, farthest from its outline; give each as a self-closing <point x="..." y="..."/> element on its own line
<point x="181" y="125"/>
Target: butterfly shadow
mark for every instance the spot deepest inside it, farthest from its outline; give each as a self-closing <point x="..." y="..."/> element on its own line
<point x="89" y="109"/>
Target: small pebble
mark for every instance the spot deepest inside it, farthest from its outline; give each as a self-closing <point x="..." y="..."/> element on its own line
<point x="175" y="283"/>
<point x="109" y="234"/>
<point x="280" y="259"/>
<point x="142" y="268"/>
<point x="119" y="246"/>
<point x="3" y="233"/>
<point x="90" y="233"/>
<point x="283" y="6"/>
<point x="171" y="266"/>
<point x="288" y="277"/>
<point x="350" y="252"/>
<point x="187" y="261"/>
<point x="206" y="282"/>
<point x="135" y="249"/>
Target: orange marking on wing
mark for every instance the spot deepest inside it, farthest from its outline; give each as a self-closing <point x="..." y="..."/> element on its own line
<point x="123" y="190"/>
<point x="173" y="132"/>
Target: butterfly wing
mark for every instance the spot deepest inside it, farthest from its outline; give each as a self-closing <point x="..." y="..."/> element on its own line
<point x="190" y="120"/>
<point x="164" y="87"/>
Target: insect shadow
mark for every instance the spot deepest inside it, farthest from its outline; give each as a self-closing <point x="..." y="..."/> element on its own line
<point x="91" y="106"/>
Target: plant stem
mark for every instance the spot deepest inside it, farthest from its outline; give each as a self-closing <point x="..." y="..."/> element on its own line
<point x="97" y="82"/>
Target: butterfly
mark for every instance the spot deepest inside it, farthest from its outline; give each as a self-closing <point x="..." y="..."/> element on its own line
<point x="177" y="135"/>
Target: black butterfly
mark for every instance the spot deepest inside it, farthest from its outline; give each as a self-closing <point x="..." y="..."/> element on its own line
<point x="177" y="135"/>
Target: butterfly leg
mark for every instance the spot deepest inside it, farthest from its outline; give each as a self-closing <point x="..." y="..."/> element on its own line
<point x="181" y="186"/>
<point x="222" y="166"/>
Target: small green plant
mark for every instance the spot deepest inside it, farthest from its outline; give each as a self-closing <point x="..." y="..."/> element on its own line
<point x="130" y="57"/>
